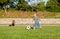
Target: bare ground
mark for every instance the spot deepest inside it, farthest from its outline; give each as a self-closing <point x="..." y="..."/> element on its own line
<point x="25" y="14"/>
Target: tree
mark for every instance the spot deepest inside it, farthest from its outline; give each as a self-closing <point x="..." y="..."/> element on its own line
<point x="4" y="4"/>
<point x="2" y="1"/>
<point x="52" y="5"/>
<point x="41" y="6"/>
<point x="58" y="1"/>
<point x="22" y="5"/>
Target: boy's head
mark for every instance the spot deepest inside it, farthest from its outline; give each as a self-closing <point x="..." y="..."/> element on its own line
<point x="35" y="14"/>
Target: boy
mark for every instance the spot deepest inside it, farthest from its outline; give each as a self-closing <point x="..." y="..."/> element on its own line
<point x="36" y="21"/>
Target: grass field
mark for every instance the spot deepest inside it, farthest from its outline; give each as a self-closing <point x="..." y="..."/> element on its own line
<point x="20" y="32"/>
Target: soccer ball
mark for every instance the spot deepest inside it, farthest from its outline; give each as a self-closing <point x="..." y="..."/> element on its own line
<point x="28" y="27"/>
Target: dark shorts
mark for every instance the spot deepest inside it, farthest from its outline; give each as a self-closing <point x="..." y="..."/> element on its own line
<point x="12" y="25"/>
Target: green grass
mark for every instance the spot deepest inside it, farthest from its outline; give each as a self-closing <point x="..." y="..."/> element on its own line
<point x="20" y="32"/>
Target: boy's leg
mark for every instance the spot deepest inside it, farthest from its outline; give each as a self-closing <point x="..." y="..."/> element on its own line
<point x="35" y="24"/>
<point x="40" y="26"/>
<point x="34" y="27"/>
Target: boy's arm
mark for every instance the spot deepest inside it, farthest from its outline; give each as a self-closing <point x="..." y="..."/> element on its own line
<point x="38" y="19"/>
<point x="33" y="20"/>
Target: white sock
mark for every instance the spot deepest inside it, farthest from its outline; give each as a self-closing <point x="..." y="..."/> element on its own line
<point x="34" y="28"/>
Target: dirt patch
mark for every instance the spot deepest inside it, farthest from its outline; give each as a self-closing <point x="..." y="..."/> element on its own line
<point x="25" y="14"/>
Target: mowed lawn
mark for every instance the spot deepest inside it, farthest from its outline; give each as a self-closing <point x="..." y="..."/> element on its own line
<point x="20" y="32"/>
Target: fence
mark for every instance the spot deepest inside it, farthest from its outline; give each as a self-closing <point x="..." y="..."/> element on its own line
<point x="28" y="21"/>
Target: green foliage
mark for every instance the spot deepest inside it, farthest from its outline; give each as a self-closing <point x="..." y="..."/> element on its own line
<point x="22" y="5"/>
<point x="41" y="6"/>
<point x="53" y="5"/>
<point x="2" y="1"/>
<point x="58" y="1"/>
